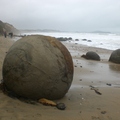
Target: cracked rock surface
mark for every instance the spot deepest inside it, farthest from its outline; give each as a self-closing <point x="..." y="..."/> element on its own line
<point x="37" y="67"/>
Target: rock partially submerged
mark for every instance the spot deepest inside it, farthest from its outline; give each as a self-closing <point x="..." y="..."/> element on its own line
<point x="38" y="67"/>
<point x="91" y="56"/>
<point x="84" y="39"/>
<point x="63" y="38"/>
<point x="115" y="56"/>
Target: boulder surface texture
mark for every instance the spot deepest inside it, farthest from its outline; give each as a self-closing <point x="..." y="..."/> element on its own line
<point x="37" y="67"/>
<point x="115" y="56"/>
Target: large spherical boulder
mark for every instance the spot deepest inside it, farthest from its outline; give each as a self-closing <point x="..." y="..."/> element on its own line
<point x="115" y="56"/>
<point x="38" y="67"/>
<point x="91" y="56"/>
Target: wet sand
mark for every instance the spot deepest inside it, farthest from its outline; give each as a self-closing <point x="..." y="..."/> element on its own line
<point x="82" y="102"/>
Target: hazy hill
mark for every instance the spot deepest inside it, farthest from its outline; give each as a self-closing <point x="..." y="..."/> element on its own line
<point x="8" y="28"/>
<point x="37" y="30"/>
<point x="98" y="31"/>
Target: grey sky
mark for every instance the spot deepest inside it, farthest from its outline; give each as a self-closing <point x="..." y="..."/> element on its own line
<point x="67" y="15"/>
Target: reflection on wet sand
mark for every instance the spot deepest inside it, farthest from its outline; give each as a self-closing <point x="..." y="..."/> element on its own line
<point x="95" y="73"/>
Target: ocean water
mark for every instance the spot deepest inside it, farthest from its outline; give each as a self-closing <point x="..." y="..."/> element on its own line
<point x="101" y="40"/>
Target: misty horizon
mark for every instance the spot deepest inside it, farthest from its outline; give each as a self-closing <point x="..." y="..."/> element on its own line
<point x="53" y="30"/>
<point x="63" y="15"/>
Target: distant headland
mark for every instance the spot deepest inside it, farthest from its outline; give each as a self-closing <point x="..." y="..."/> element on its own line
<point x="8" y="28"/>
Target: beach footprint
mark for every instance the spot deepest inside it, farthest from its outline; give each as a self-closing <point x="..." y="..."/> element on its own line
<point x="95" y="118"/>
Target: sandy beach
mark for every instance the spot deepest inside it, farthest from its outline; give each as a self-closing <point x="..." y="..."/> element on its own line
<point x="94" y="93"/>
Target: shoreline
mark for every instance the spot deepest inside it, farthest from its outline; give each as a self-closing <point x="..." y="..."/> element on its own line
<point x="109" y="41"/>
<point x="82" y="102"/>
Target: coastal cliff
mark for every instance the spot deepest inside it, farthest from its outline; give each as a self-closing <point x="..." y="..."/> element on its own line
<point x="8" y="28"/>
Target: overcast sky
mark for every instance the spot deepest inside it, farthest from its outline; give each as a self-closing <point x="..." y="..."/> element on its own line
<point x="65" y="15"/>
